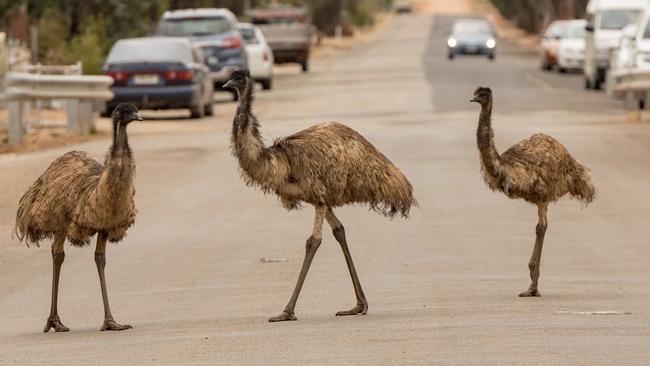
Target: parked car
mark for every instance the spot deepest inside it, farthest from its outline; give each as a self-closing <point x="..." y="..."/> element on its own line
<point x="260" y="55"/>
<point x="159" y="73"/>
<point x="571" y="48"/>
<point x="403" y="6"/>
<point x="472" y="37"/>
<point x="216" y="31"/>
<point x="550" y="42"/>
<point x="288" y="32"/>
<point x="605" y="22"/>
<point x="637" y="40"/>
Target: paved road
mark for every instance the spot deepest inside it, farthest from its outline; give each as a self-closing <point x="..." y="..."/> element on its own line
<point x="442" y="285"/>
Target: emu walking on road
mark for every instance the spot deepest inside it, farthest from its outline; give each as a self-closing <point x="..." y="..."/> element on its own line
<point x="327" y="165"/>
<point x="539" y="169"/>
<point x="75" y="198"/>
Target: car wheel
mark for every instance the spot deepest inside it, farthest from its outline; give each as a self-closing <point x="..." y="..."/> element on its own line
<point x="209" y="109"/>
<point x="597" y="83"/>
<point x="305" y="65"/>
<point x="561" y="70"/>
<point x="451" y="56"/>
<point x="197" y="111"/>
<point x="267" y="84"/>
<point x="491" y="57"/>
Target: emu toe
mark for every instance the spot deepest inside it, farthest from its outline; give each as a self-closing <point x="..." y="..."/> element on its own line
<point x="56" y="324"/>
<point x="531" y="292"/>
<point x="359" y="309"/>
<point x="283" y="317"/>
<point x="112" y="325"/>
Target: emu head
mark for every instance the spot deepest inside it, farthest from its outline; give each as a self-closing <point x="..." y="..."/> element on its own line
<point x="238" y="80"/>
<point x="482" y="96"/>
<point x="125" y="113"/>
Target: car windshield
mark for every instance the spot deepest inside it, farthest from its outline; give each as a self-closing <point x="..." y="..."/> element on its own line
<point x="576" y="31"/>
<point x="184" y="27"/>
<point x="618" y="19"/>
<point x="149" y="51"/>
<point x="472" y="28"/>
<point x="249" y="35"/>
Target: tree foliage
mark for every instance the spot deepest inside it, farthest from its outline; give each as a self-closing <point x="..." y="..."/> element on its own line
<point x="72" y="30"/>
<point x="534" y="15"/>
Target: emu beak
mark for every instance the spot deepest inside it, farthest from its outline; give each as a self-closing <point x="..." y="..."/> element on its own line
<point x="228" y="85"/>
<point x="474" y="100"/>
<point x="136" y="117"/>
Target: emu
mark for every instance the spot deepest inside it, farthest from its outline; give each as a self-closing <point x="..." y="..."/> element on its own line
<point x="78" y="197"/>
<point x="328" y="165"/>
<point x="539" y="170"/>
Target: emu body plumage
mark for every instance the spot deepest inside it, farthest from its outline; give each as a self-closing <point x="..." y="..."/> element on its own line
<point x="539" y="170"/>
<point x="328" y="165"/>
<point x="78" y="197"/>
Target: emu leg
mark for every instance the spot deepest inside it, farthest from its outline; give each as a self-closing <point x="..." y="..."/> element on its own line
<point x="536" y="257"/>
<point x="339" y="234"/>
<point x="58" y="256"/>
<point x="100" y="261"/>
<point x="310" y="251"/>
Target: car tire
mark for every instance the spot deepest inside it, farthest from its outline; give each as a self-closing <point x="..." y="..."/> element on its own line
<point x="597" y="83"/>
<point x="267" y="84"/>
<point x="305" y="65"/>
<point x="491" y="57"/>
<point x="209" y="109"/>
<point x="561" y="70"/>
<point x="197" y="111"/>
<point x="451" y="56"/>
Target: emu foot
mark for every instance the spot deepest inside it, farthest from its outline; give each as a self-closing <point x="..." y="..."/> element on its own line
<point x="359" y="309"/>
<point x="531" y="292"/>
<point x="283" y="317"/>
<point x="56" y="324"/>
<point x="112" y="325"/>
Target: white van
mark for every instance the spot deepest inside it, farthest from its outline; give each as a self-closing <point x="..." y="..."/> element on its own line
<point x="605" y="22"/>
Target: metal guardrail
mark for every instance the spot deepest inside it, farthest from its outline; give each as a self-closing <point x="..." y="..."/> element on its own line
<point x="79" y="91"/>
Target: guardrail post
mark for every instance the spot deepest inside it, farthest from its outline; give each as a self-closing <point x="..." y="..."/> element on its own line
<point x="15" y="122"/>
<point x="72" y="112"/>
<point x="86" y="117"/>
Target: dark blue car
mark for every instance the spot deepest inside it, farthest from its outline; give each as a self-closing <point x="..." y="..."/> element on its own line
<point x="472" y="37"/>
<point x="216" y="31"/>
<point x="159" y="73"/>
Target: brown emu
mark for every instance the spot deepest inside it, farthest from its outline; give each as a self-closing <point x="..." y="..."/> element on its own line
<point x="327" y="165"/>
<point x="75" y="198"/>
<point x="539" y="170"/>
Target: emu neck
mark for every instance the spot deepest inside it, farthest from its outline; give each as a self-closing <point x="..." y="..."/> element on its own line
<point x="246" y="138"/>
<point x="485" y="140"/>
<point x="117" y="178"/>
<point x="120" y="145"/>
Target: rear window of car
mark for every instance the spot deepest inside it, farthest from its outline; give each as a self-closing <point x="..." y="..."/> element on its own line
<point x="287" y="19"/>
<point x="618" y="19"/>
<point x="197" y="26"/>
<point x="249" y="35"/>
<point x="472" y="28"/>
<point x="149" y="51"/>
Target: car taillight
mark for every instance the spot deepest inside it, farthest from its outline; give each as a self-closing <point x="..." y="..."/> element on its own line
<point x="266" y="55"/>
<point x="232" y="42"/>
<point x="117" y="75"/>
<point x="184" y="75"/>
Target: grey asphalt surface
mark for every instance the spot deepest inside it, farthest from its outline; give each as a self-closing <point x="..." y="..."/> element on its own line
<point x="442" y="286"/>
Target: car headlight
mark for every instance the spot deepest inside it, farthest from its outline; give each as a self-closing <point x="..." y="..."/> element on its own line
<point x="490" y="43"/>
<point x="451" y="42"/>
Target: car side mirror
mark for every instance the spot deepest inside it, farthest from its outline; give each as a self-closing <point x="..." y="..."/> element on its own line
<point x="589" y="27"/>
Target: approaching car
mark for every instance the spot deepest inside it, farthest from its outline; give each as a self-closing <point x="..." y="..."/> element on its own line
<point x="472" y="37"/>
<point x="260" y="55"/>
<point x="159" y="73"/>
<point x="571" y="48"/>
<point x="216" y="31"/>
<point x="288" y="31"/>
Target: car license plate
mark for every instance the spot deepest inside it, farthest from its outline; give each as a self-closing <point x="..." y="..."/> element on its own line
<point x="471" y="49"/>
<point x="146" y="79"/>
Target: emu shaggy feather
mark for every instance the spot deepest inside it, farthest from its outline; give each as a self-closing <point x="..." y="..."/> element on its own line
<point x="78" y="196"/>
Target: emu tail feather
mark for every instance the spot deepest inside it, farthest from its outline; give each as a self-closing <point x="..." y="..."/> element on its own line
<point x="25" y="228"/>
<point x="582" y="184"/>
<point x="395" y="196"/>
